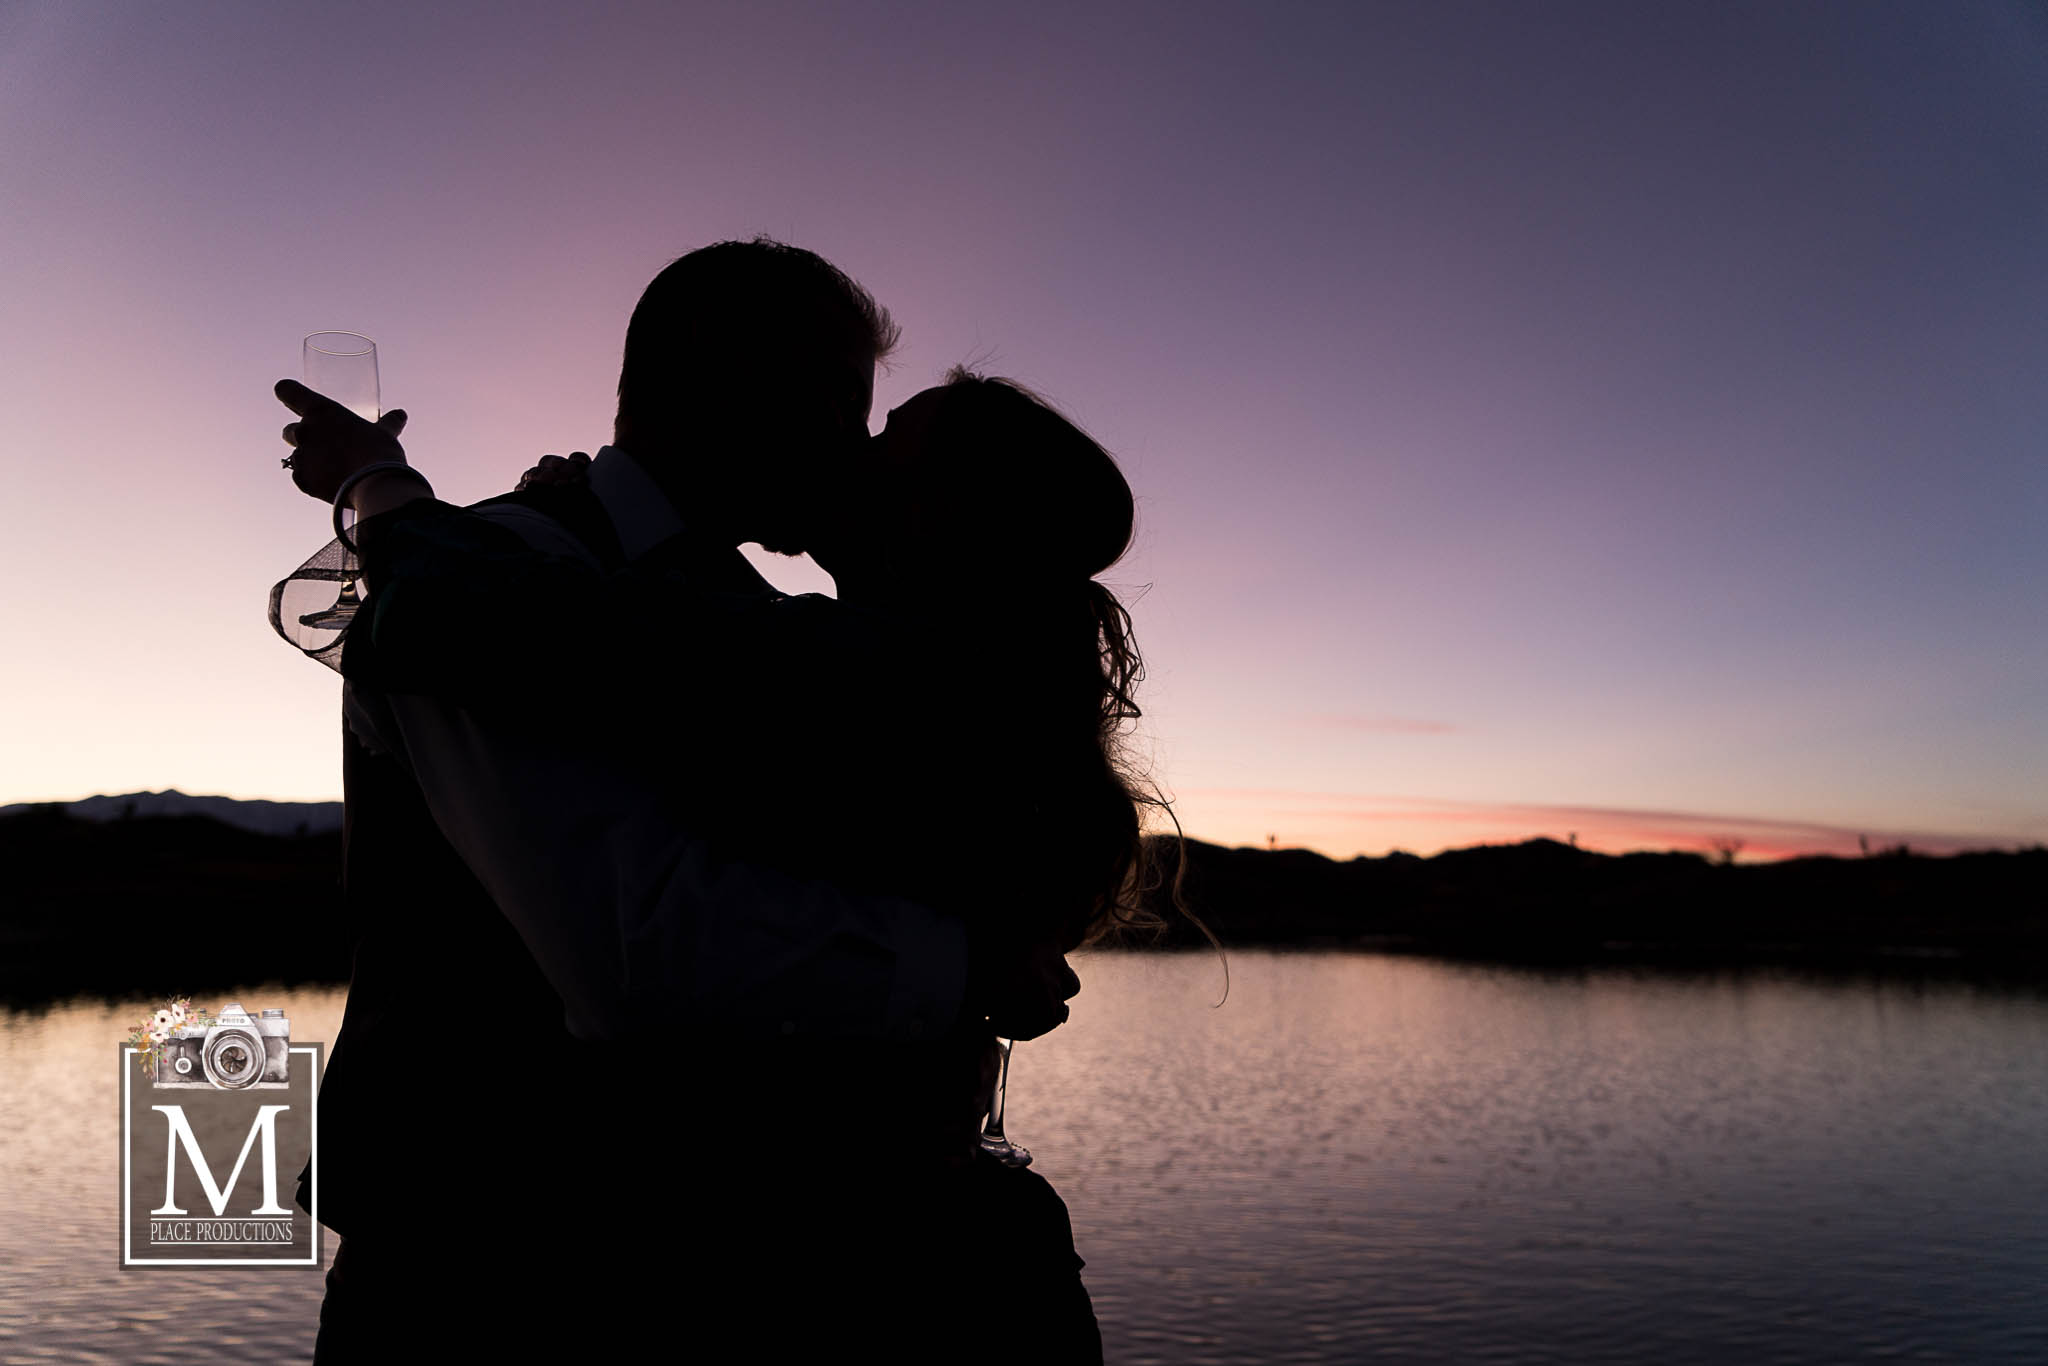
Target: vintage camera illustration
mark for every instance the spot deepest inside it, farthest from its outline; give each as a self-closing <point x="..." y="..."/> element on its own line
<point x="236" y="1052"/>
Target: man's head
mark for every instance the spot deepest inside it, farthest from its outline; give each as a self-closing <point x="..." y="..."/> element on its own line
<point x="749" y="369"/>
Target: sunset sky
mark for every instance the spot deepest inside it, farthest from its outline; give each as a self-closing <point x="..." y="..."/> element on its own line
<point x="1614" y="419"/>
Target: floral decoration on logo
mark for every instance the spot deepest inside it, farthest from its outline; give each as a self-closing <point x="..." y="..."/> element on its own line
<point x="148" y="1038"/>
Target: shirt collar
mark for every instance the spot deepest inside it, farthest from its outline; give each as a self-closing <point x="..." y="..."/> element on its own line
<point x="641" y="513"/>
<point x="643" y="517"/>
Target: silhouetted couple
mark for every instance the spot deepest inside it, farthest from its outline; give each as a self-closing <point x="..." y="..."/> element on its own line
<point x="685" y="913"/>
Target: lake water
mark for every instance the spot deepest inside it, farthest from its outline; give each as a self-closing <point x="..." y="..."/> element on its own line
<point x="1357" y="1158"/>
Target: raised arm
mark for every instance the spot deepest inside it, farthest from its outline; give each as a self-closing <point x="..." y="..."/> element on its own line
<point x="463" y="604"/>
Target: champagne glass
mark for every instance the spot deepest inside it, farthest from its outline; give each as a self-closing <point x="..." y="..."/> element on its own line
<point x="993" y="1140"/>
<point x="343" y="366"/>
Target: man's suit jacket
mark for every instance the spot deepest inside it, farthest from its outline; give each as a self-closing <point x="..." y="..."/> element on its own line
<point x="449" y="1022"/>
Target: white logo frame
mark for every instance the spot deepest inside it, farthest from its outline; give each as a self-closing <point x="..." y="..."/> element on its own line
<point x="129" y="1070"/>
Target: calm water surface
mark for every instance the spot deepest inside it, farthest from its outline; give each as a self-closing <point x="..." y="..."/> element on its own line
<point x="1358" y="1158"/>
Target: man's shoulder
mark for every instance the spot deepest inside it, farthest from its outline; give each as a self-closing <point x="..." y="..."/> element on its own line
<point x="563" y="519"/>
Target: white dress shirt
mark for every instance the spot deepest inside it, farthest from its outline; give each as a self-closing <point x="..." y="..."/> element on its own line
<point x="638" y="924"/>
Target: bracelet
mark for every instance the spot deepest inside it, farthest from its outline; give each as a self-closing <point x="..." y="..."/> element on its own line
<point x="341" y="494"/>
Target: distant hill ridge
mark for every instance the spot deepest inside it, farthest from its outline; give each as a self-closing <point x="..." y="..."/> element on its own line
<point x="98" y="893"/>
<point x="1545" y="901"/>
<point x="256" y="815"/>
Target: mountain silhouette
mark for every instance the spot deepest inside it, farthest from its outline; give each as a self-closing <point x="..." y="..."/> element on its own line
<point x="154" y="905"/>
<point x="1542" y="901"/>
<point x="263" y="817"/>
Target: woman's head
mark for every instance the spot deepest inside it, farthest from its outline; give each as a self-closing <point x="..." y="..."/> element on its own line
<point x="983" y="469"/>
<point x="981" y="472"/>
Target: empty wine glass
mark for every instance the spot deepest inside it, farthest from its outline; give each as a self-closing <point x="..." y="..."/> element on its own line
<point x="343" y="366"/>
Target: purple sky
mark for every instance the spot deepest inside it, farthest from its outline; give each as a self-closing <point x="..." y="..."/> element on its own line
<point x="1613" y="419"/>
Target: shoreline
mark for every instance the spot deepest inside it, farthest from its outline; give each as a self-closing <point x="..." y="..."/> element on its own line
<point x="150" y="905"/>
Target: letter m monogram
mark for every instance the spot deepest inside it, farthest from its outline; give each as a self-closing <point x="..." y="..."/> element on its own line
<point x="181" y="1132"/>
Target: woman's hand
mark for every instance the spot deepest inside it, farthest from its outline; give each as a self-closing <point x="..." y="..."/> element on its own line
<point x="554" y="469"/>
<point x="330" y="442"/>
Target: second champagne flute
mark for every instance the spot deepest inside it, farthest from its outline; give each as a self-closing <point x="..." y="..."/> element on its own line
<point x="993" y="1140"/>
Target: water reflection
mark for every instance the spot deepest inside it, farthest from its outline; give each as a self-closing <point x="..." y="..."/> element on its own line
<point x="1357" y="1158"/>
<point x="64" y="1295"/>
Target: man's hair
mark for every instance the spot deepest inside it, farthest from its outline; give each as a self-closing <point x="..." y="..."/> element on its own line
<point x="731" y="311"/>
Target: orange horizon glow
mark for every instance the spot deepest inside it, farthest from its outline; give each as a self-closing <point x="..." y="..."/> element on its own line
<point x="1377" y="826"/>
<point x="1341" y="827"/>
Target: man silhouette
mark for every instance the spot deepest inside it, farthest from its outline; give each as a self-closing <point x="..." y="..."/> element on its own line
<point x="748" y="367"/>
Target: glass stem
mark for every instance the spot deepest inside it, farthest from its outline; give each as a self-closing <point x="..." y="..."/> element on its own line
<point x="992" y="1131"/>
<point x="994" y="1141"/>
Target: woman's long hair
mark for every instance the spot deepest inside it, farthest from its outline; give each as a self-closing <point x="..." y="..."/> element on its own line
<point x="1052" y="511"/>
